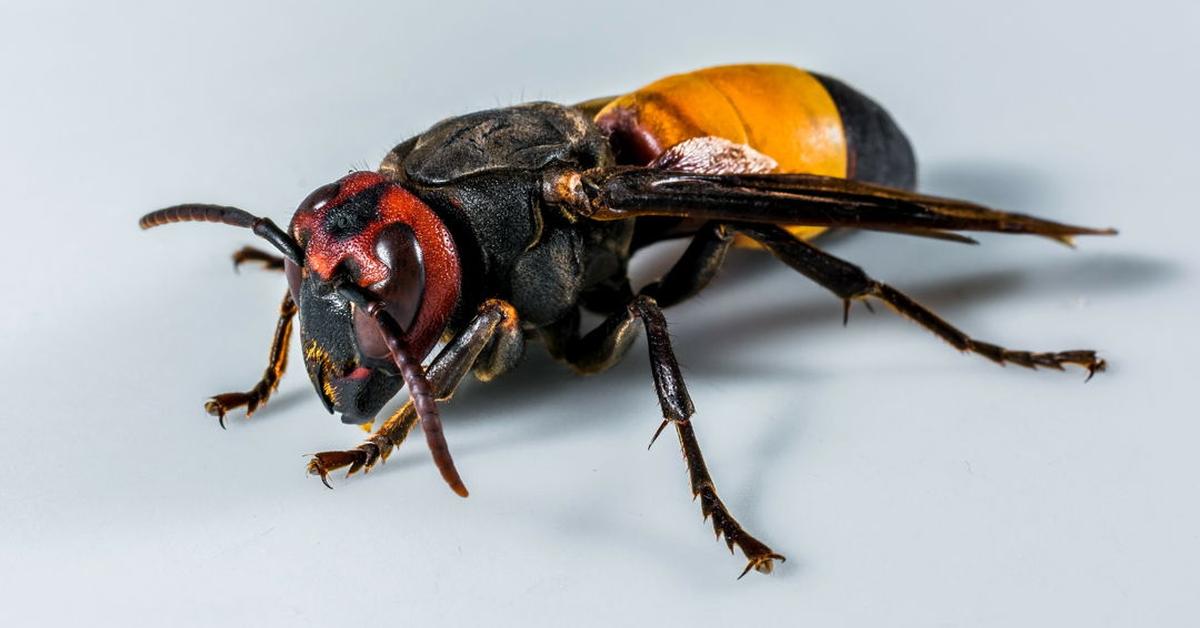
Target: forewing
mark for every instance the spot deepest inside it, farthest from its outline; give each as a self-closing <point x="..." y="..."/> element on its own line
<point x="795" y="199"/>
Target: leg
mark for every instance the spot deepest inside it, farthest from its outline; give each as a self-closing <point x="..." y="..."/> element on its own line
<point x="596" y="351"/>
<point x="695" y="269"/>
<point x="251" y="254"/>
<point x="605" y="345"/>
<point x="677" y="409"/>
<point x="257" y="396"/>
<point x="503" y="353"/>
<point x="850" y="282"/>
<point x="495" y="323"/>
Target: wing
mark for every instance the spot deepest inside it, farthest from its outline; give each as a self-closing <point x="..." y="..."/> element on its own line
<point x="620" y="193"/>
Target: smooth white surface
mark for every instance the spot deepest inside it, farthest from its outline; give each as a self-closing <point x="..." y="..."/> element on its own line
<point x="908" y="485"/>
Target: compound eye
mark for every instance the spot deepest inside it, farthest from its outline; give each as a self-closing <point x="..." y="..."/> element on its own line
<point x="319" y="197"/>
<point x="294" y="276"/>
<point x="401" y="292"/>
<point x="397" y="248"/>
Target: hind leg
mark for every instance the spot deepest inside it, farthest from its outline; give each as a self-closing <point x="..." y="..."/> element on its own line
<point x="850" y="283"/>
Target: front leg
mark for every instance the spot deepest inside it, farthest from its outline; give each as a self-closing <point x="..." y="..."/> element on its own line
<point x="495" y="326"/>
<point x="257" y="396"/>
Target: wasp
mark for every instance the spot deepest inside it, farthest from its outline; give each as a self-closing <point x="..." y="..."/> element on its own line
<point x="496" y="228"/>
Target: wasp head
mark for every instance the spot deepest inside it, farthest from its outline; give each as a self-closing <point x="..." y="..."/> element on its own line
<point x="372" y="233"/>
<point x="376" y="276"/>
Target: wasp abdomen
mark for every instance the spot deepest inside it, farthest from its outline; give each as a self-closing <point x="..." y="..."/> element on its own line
<point x="876" y="149"/>
<point x="779" y="110"/>
<point x="806" y="122"/>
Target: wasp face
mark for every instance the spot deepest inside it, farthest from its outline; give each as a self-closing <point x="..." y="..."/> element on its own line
<point x="357" y="231"/>
<point x="348" y="380"/>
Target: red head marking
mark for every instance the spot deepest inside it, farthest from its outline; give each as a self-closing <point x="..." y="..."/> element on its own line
<point x="340" y="224"/>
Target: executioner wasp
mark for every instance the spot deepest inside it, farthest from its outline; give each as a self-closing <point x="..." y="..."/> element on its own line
<point x="495" y="228"/>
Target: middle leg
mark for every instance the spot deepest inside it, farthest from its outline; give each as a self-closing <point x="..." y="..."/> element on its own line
<point x="605" y="344"/>
<point x="611" y="338"/>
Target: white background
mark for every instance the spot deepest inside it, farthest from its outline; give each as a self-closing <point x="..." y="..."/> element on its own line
<point x="908" y="485"/>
